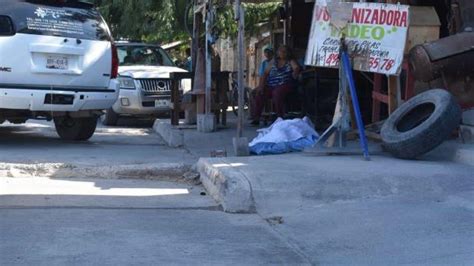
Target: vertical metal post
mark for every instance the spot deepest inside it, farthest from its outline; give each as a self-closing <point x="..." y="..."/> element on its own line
<point x="360" y="123"/>
<point x="208" y="58"/>
<point x="240" y="77"/>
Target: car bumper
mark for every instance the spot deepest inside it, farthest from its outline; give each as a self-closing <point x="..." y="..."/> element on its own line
<point x="132" y="102"/>
<point x="35" y="99"/>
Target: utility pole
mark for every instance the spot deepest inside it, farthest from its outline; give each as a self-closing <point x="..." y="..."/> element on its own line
<point x="207" y="122"/>
<point x="241" y="147"/>
<point x="209" y="22"/>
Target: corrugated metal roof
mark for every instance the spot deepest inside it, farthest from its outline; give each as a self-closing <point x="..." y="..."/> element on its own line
<point x="243" y="1"/>
<point x="171" y="45"/>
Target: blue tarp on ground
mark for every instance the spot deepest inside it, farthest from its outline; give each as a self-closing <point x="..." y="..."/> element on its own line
<point x="284" y="136"/>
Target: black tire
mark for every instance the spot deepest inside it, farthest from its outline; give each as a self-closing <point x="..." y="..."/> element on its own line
<point x="17" y="121"/>
<point x="110" y="118"/>
<point x="421" y="124"/>
<point x="79" y="129"/>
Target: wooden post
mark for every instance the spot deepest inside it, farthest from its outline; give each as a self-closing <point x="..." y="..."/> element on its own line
<point x="195" y="37"/>
<point x="393" y="90"/>
<point x="393" y="81"/>
<point x="241" y="60"/>
<point x="197" y="67"/>
<point x="376" y="93"/>
<point x="175" y="100"/>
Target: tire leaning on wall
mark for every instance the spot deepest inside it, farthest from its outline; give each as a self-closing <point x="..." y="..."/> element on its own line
<point x="421" y="124"/>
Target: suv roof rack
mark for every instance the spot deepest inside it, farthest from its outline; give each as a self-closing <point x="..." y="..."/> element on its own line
<point x="129" y="41"/>
<point x="69" y="3"/>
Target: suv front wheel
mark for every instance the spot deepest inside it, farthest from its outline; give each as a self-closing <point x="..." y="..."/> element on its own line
<point x="110" y="118"/>
<point x="77" y="128"/>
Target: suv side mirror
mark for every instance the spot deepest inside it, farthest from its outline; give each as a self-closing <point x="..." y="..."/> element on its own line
<point x="6" y="26"/>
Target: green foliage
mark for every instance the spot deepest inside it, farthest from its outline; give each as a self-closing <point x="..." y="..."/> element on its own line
<point x="254" y="14"/>
<point x="148" y="20"/>
<point x="163" y="20"/>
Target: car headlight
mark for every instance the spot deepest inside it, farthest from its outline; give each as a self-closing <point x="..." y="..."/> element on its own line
<point x="126" y="83"/>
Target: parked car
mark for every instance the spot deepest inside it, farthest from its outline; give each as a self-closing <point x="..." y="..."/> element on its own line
<point x="145" y="85"/>
<point x="57" y="62"/>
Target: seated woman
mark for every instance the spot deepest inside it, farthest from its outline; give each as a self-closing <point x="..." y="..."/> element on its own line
<point x="277" y="81"/>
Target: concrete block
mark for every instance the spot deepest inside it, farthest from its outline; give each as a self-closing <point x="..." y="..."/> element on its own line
<point x="241" y="146"/>
<point x="468" y="117"/>
<point x="173" y="136"/>
<point x="226" y="184"/>
<point x="466" y="133"/>
<point x="190" y="116"/>
<point x="465" y="155"/>
<point x="206" y="123"/>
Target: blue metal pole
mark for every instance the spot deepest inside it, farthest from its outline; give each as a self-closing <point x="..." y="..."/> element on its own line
<point x="360" y="124"/>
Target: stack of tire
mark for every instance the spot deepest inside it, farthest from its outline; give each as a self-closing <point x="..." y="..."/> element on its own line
<point x="421" y="124"/>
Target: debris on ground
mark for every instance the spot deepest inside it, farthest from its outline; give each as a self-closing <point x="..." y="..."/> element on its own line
<point x="192" y="177"/>
<point x="276" y="220"/>
<point x="218" y="153"/>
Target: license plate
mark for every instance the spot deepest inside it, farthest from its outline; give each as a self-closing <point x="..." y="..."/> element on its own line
<point x="57" y="62"/>
<point x="162" y="103"/>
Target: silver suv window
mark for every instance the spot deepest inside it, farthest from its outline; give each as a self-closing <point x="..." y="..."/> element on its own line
<point x="130" y="55"/>
<point x="73" y="20"/>
<point x="6" y="26"/>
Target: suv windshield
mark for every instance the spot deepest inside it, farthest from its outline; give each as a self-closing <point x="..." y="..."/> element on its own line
<point x="143" y="55"/>
<point x="66" y="20"/>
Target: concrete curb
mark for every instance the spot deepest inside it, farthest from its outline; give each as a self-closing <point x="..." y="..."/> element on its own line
<point x="454" y="151"/>
<point x="468" y="117"/>
<point x="228" y="186"/>
<point x="465" y="155"/>
<point x="161" y="171"/>
<point x="173" y="137"/>
<point x="466" y="134"/>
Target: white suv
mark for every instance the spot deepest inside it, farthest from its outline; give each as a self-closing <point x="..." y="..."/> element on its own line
<point x="145" y="85"/>
<point x="57" y="61"/>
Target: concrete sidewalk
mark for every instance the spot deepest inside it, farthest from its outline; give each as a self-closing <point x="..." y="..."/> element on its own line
<point x="346" y="211"/>
<point x="340" y="209"/>
<point x="202" y="144"/>
<point x="131" y="151"/>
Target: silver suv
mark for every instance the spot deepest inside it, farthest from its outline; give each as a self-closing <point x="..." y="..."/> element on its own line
<point x="145" y="85"/>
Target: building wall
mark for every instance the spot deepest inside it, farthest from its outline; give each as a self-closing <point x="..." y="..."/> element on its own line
<point x="254" y="45"/>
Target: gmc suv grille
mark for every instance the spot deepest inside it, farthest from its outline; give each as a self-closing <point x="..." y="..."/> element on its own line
<point x="155" y="86"/>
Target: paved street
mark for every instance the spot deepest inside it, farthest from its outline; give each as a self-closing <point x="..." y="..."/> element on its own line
<point x="124" y="198"/>
<point x="128" y="222"/>
<point x="78" y="221"/>
<point x="362" y="113"/>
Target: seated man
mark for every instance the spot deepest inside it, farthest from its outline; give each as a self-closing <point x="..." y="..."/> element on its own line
<point x="277" y="81"/>
<point x="268" y="54"/>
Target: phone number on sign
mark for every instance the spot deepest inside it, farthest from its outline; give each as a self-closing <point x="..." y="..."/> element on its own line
<point x="375" y="63"/>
